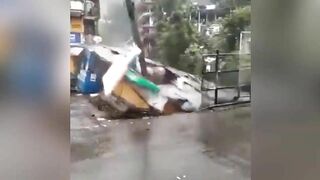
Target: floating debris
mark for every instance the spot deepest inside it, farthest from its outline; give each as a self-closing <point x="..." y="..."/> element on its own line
<point x="101" y="119"/>
<point x="184" y="176"/>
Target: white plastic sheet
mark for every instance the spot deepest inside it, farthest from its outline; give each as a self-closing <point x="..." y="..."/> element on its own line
<point x="117" y="70"/>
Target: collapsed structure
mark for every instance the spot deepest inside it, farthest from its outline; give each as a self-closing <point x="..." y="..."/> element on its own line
<point x="113" y="78"/>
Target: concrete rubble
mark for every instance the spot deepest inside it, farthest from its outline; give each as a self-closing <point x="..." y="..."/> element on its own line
<point x="125" y="93"/>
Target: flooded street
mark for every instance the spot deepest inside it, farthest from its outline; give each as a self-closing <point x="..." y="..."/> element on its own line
<point x="195" y="146"/>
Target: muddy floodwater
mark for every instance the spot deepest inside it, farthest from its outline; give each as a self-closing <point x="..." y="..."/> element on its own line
<point x="212" y="145"/>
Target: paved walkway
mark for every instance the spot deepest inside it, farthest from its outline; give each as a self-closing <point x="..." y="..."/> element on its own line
<point x="197" y="146"/>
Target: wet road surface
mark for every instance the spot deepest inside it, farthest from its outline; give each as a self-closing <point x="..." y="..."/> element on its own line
<point x="195" y="146"/>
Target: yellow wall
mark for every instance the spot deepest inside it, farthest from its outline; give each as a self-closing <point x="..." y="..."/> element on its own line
<point x="74" y="64"/>
<point x="125" y="91"/>
<point x="77" y="24"/>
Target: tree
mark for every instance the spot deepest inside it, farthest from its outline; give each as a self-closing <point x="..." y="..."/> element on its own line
<point x="174" y="37"/>
<point x="177" y="38"/>
<point x="192" y="59"/>
<point x="233" y="24"/>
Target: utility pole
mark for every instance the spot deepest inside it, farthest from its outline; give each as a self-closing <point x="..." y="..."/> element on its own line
<point x="136" y="36"/>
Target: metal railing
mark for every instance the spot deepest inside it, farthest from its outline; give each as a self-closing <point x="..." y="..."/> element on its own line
<point x="227" y="73"/>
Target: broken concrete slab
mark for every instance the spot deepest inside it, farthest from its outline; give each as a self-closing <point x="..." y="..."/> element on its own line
<point x="168" y="90"/>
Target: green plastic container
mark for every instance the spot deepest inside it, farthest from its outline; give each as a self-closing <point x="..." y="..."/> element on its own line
<point x="140" y="81"/>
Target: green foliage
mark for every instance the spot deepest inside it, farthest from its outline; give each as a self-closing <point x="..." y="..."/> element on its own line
<point x="180" y="45"/>
<point x="233" y="24"/>
<point x="191" y="60"/>
<point x="218" y="42"/>
<point x="178" y="42"/>
<point x="174" y="37"/>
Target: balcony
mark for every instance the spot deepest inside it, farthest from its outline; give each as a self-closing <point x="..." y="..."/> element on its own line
<point x="76" y="8"/>
<point x="89" y="9"/>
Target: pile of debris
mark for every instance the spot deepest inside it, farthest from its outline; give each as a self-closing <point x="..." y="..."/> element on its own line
<point x="125" y="93"/>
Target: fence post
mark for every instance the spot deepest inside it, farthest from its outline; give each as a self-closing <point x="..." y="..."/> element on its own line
<point x="203" y="71"/>
<point x="239" y="85"/>
<point x="217" y="77"/>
